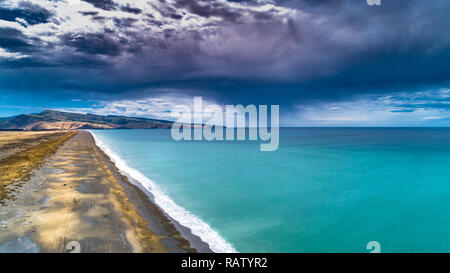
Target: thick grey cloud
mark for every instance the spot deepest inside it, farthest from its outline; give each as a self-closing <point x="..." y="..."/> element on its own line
<point x="13" y="40"/>
<point x="29" y="13"/>
<point x="210" y="8"/>
<point x="103" y="4"/>
<point x="129" y="9"/>
<point x="271" y="50"/>
<point x="93" y="43"/>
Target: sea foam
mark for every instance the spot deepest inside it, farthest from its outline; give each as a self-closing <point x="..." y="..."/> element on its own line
<point x="198" y="227"/>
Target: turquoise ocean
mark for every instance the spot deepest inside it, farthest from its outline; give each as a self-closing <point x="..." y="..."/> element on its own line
<point x="323" y="190"/>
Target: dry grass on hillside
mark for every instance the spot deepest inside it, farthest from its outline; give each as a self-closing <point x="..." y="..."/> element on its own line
<point x="15" y="169"/>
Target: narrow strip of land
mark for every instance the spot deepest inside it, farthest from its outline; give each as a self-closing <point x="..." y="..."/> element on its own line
<point x="78" y="195"/>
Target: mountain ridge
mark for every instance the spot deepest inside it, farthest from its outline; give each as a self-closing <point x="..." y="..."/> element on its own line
<point x="59" y="120"/>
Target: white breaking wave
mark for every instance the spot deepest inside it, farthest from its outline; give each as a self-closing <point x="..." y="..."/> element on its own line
<point x="216" y="242"/>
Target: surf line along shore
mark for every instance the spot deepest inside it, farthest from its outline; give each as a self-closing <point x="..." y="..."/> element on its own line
<point x="78" y="195"/>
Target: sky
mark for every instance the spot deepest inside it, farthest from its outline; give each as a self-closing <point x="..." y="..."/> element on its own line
<point x="325" y="62"/>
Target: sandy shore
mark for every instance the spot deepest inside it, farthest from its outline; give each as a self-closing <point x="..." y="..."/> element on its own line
<point x="78" y="196"/>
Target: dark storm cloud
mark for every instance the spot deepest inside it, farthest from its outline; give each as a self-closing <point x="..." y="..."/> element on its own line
<point x="131" y="9"/>
<point x="87" y="13"/>
<point x="207" y="9"/>
<point x="124" y="22"/>
<point x="103" y="4"/>
<point x="100" y="44"/>
<point x="238" y="50"/>
<point x="31" y="16"/>
<point x="13" y="40"/>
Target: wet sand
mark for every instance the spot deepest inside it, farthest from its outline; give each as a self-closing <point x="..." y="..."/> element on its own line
<point x="79" y="197"/>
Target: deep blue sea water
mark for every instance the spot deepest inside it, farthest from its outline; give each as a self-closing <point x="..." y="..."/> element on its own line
<point x="323" y="190"/>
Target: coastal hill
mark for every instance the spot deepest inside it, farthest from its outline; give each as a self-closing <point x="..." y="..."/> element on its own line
<point x="57" y="120"/>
